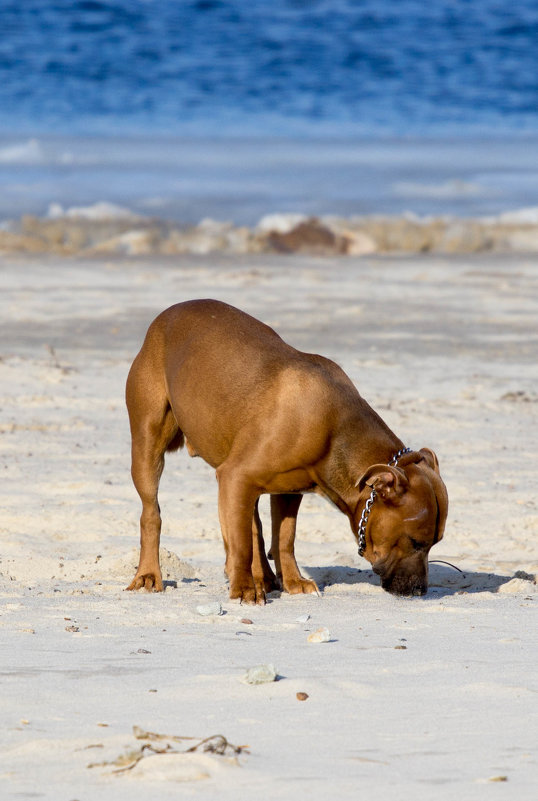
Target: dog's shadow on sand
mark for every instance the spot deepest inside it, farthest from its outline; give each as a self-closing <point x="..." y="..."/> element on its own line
<point x="443" y="579"/>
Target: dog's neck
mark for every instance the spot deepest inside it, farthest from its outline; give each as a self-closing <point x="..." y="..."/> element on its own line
<point x="337" y="478"/>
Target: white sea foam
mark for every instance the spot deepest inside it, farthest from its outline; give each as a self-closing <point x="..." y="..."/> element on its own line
<point x="525" y="216"/>
<point x="101" y="210"/>
<point x="282" y="223"/>
<point x="29" y="152"/>
<point x="246" y="180"/>
<point x="451" y="189"/>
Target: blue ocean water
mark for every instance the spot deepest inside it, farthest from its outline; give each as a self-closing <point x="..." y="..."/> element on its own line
<point x="238" y="108"/>
<point x="277" y="67"/>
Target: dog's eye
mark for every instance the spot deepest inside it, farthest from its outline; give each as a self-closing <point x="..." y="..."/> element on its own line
<point x="418" y="546"/>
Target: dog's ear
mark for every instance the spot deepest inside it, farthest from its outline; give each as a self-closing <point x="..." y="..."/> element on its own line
<point x="390" y="483"/>
<point x="430" y="458"/>
<point x="439" y="489"/>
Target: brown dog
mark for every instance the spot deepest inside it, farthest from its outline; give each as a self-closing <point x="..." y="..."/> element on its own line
<point x="271" y="419"/>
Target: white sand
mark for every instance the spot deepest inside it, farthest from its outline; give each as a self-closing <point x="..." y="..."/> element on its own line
<point x="445" y="350"/>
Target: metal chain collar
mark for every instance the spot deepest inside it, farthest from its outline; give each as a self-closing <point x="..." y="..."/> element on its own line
<point x="363" y="522"/>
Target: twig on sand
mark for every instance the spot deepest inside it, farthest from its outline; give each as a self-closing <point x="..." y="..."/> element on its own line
<point x="56" y="362"/>
<point x="142" y="734"/>
<point x="217" y="744"/>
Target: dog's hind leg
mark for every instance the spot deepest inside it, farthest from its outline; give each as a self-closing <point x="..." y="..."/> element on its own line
<point x="153" y="431"/>
<point x="284" y="509"/>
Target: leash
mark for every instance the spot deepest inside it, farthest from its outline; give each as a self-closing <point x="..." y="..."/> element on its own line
<point x="363" y="522"/>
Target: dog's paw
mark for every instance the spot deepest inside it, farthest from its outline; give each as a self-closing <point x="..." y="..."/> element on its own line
<point x="248" y="594"/>
<point x="270" y="583"/>
<point x="297" y="586"/>
<point x="147" y="581"/>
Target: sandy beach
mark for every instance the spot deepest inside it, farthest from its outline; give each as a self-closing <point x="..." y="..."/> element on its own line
<point x="426" y="697"/>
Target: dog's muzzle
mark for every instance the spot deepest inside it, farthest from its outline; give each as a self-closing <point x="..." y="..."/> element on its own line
<point x="400" y="581"/>
<point x="406" y="586"/>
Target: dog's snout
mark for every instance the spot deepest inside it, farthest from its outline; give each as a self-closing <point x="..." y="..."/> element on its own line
<point x="420" y="588"/>
<point x="406" y="577"/>
<point x="379" y="569"/>
<point x="405" y="585"/>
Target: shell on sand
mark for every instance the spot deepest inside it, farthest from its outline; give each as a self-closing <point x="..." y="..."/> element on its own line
<point x="319" y="635"/>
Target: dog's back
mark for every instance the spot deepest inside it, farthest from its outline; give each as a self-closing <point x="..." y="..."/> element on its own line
<point x="220" y="368"/>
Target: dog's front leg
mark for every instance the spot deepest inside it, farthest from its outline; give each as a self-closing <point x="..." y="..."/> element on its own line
<point x="284" y="509"/>
<point x="264" y="578"/>
<point x="237" y="499"/>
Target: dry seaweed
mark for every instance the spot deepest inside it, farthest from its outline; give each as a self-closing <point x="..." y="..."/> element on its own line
<point x="215" y="744"/>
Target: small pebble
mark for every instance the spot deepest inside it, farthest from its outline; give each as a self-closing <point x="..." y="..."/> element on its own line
<point x="246" y="621"/>
<point x="319" y="635"/>
<point x="260" y="674"/>
<point x="302" y="696"/>
<point x="400" y="647"/>
<point x="302" y="619"/>
<point x="213" y="608"/>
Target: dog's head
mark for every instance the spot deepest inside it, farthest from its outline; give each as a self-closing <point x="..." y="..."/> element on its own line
<point x="407" y="518"/>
